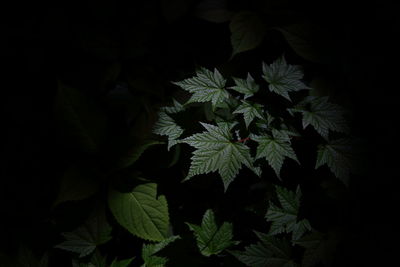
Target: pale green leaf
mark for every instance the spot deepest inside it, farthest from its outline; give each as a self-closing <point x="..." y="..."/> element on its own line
<point x="206" y="86"/>
<point x="215" y="151"/>
<point x="283" y="78"/>
<point x="141" y="211"/>
<point x="149" y="251"/>
<point x="176" y="108"/>
<point x="274" y="150"/>
<point x="250" y="111"/>
<point x="247" y="31"/>
<point x="166" y="126"/>
<point x="247" y="87"/>
<point x="210" y="239"/>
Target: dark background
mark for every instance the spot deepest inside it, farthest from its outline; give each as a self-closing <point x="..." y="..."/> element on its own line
<point x="97" y="46"/>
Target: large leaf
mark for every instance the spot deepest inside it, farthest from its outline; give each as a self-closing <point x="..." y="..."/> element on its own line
<point x="271" y="252"/>
<point x="283" y="78"/>
<point x="215" y="151"/>
<point x="149" y="251"/>
<point x="337" y="154"/>
<point x="206" y="86"/>
<point x="141" y="212"/>
<point x="95" y="231"/>
<point x="167" y="126"/>
<point x="250" y="111"/>
<point x="247" y="87"/>
<point x="322" y="115"/>
<point x="247" y="31"/>
<point x="210" y="239"/>
<point x="285" y="218"/>
<point x="274" y="149"/>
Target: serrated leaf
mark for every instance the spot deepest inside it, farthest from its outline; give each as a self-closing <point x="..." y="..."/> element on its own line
<point x="134" y="153"/>
<point x="247" y="31"/>
<point x="322" y="115"/>
<point x="149" y="251"/>
<point x="271" y="251"/>
<point x="76" y="184"/>
<point x="250" y="111"/>
<point x="274" y="149"/>
<point x="247" y="87"/>
<point x="166" y="126"/>
<point x="283" y="78"/>
<point x="141" y="212"/>
<point x="176" y="108"/>
<point x="284" y="218"/>
<point x="95" y="231"/>
<point x="215" y="151"/>
<point x="210" y="239"/>
<point x="337" y="155"/>
<point x="206" y="86"/>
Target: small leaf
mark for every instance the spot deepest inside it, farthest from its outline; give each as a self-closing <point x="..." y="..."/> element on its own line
<point x="212" y="240"/>
<point x="149" y="251"/>
<point x="206" y="86"/>
<point x="176" y="108"/>
<point x="283" y="78"/>
<point x="274" y="149"/>
<point x="166" y="126"/>
<point x="247" y="87"/>
<point x="95" y="231"/>
<point x="250" y="112"/>
<point x="337" y="155"/>
<point x="214" y="11"/>
<point x="134" y="153"/>
<point x="247" y="31"/>
<point x="141" y="212"/>
<point x="121" y="263"/>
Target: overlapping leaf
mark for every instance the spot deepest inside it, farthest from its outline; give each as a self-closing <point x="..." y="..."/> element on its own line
<point x="283" y="78"/>
<point x="212" y="240"/>
<point x="274" y="149"/>
<point x="206" y="86"/>
<point x="271" y="251"/>
<point x="247" y="87"/>
<point x="215" y="151"/>
<point x="141" y="212"/>
<point x="322" y="115"/>
<point x="285" y="218"/>
<point x="250" y="111"/>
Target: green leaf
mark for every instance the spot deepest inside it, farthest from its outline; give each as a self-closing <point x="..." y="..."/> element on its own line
<point x="210" y="239"/>
<point x="121" y="263"/>
<point x="95" y="231"/>
<point x="283" y="78"/>
<point x="320" y="247"/>
<point x="83" y="121"/>
<point x="149" y="251"/>
<point x="166" y="126"/>
<point x="214" y="11"/>
<point x="135" y="152"/>
<point x="215" y="151"/>
<point x="322" y="115"/>
<point x="274" y="149"/>
<point x="250" y="111"/>
<point x="337" y="155"/>
<point x="25" y="258"/>
<point x="141" y="212"/>
<point x="206" y="86"/>
<point x="176" y="108"/>
<point x="271" y="252"/>
<point x="247" y="31"/>
<point x="247" y="87"/>
<point x="77" y="183"/>
<point x="284" y="218"/>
